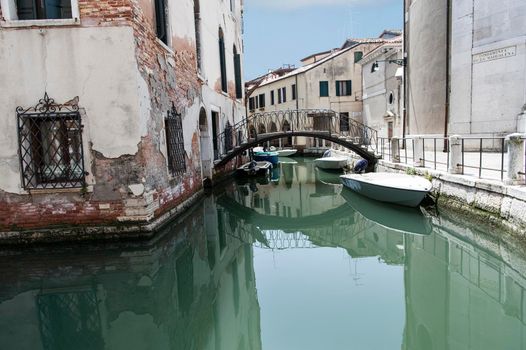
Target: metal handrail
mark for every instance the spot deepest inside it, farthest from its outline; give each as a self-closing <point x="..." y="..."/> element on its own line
<point x="482" y="166"/>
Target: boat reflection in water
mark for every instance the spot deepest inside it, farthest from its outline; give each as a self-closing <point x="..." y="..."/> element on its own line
<point x="194" y="286"/>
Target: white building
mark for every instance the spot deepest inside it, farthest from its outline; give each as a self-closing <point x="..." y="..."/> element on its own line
<point x="466" y="66"/>
<point x="383" y="96"/>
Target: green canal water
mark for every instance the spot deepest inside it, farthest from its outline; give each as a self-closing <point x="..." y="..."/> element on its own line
<point x="290" y="262"/>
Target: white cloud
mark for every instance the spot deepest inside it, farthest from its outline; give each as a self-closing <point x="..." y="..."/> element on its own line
<point x="296" y="4"/>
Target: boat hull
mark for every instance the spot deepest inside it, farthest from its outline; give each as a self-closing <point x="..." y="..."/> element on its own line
<point x="261" y="168"/>
<point x="271" y="157"/>
<point x="287" y="152"/>
<point x="410" y="197"/>
<point x="331" y="163"/>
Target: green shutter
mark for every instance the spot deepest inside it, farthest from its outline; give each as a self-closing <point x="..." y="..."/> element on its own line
<point x="324" y="89"/>
<point x="237" y="71"/>
<point x="358" y="56"/>
<point x="349" y="87"/>
<point x="338" y="92"/>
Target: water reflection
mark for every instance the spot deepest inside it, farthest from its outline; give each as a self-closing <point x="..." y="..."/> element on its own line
<point x="194" y="287"/>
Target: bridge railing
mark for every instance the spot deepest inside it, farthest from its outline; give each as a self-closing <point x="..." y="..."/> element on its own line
<point x="281" y="123"/>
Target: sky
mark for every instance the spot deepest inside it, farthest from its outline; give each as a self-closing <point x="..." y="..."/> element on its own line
<point x="278" y="32"/>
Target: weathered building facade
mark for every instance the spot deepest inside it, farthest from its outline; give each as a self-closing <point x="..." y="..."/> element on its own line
<point x="328" y="81"/>
<point x="466" y="69"/>
<point x="111" y="109"/>
<point x="383" y="90"/>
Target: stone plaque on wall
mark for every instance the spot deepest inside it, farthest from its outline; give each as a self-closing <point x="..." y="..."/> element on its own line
<point x="495" y="54"/>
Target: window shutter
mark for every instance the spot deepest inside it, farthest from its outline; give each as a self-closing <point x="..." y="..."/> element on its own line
<point x="349" y="87"/>
<point x="338" y="92"/>
<point x="284" y="94"/>
<point x="237" y="67"/>
<point x="26" y="9"/>
<point x="160" y="19"/>
<point x="358" y="56"/>
<point x="222" y="62"/>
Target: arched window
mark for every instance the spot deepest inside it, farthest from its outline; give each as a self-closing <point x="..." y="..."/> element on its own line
<point x="197" y="23"/>
<point x="237" y="72"/>
<point x="222" y="60"/>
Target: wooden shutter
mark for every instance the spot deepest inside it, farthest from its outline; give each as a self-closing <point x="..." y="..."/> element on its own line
<point x="348" y="87"/>
<point x="237" y="72"/>
<point x="222" y="62"/>
<point x="160" y="20"/>
<point x="338" y="92"/>
<point x="26" y="9"/>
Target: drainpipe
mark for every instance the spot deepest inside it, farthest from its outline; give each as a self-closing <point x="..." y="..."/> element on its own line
<point x="448" y="73"/>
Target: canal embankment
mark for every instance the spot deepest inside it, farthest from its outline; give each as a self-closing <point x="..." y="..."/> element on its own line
<point x="489" y="200"/>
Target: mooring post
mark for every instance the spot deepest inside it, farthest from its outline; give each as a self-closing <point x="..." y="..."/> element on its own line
<point x="395" y="150"/>
<point x="418" y="151"/>
<point x="455" y="155"/>
<point x="515" y="162"/>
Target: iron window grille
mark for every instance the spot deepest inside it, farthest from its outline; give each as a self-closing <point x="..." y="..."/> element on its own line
<point x="175" y="142"/>
<point x="50" y="145"/>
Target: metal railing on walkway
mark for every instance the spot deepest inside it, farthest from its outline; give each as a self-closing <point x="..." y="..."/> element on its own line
<point x="482" y="157"/>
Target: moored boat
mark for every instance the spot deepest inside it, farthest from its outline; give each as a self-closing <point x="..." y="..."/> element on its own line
<point x="402" y="189"/>
<point x="266" y="156"/>
<point x="254" y="168"/>
<point x="331" y="163"/>
<point x="286" y="152"/>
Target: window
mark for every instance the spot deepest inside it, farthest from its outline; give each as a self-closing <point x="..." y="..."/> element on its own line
<point x="237" y="73"/>
<point x="160" y="21"/>
<point x="279" y="96"/>
<point x="324" y="89"/>
<point x="262" y="101"/>
<point x="283" y="95"/>
<point x="251" y="104"/>
<point x="175" y="143"/>
<point x="197" y="24"/>
<point x="358" y="56"/>
<point x="50" y="146"/>
<point x="293" y="91"/>
<point x="272" y="102"/>
<point x="43" y="9"/>
<point x="391" y="98"/>
<point x="343" y="88"/>
<point x="222" y="61"/>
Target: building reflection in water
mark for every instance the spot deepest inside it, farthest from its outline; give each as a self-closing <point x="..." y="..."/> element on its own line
<point x="194" y="287"/>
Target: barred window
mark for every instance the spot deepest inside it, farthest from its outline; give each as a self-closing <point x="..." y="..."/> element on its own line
<point x="175" y="143"/>
<point x="50" y="145"/>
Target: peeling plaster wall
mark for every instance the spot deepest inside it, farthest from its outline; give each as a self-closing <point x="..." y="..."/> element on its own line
<point x="96" y="64"/>
<point x="127" y="81"/>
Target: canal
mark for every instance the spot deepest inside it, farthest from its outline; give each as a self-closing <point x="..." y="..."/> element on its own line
<point x="293" y="261"/>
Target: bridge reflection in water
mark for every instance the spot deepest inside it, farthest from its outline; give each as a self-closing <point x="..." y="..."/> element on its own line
<point x="194" y="287"/>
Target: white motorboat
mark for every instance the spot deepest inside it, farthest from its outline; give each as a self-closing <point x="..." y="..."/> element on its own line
<point x="286" y="152"/>
<point x="255" y="168"/>
<point x="332" y="163"/>
<point x="402" y="189"/>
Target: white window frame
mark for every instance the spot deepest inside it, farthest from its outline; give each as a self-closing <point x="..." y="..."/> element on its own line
<point x="11" y="18"/>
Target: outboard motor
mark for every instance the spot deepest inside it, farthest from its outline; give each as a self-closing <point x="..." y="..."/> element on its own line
<point x="327" y="153"/>
<point x="360" y="166"/>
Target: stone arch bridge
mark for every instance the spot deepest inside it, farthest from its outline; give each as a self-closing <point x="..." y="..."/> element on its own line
<point x="312" y="123"/>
